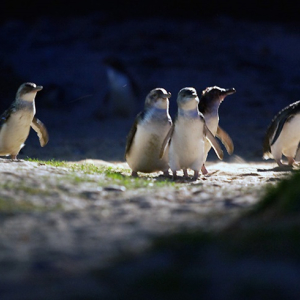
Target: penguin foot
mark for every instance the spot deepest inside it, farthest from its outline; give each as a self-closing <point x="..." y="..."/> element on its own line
<point x="296" y="164"/>
<point x="203" y="170"/>
<point x="284" y="167"/>
<point x="292" y="162"/>
<point x="134" y="174"/>
<point x="185" y="173"/>
<point x="166" y="174"/>
<point x="174" y="176"/>
<point x="13" y="158"/>
<point x="196" y="175"/>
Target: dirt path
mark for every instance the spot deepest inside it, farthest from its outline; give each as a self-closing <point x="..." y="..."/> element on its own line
<point x="60" y="223"/>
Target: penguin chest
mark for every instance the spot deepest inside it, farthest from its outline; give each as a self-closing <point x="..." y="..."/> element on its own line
<point x="146" y="147"/>
<point x="187" y="144"/>
<point x="212" y="122"/>
<point x="14" y="132"/>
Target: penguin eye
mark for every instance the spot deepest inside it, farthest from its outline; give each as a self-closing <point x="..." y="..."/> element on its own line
<point x="153" y="97"/>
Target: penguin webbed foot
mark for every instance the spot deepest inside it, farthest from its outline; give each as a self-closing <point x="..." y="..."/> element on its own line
<point x="166" y="174"/>
<point x="13" y="158"/>
<point x="196" y="175"/>
<point x="292" y="162"/>
<point x="204" y="170"/>
<point x="134" y="174"/>
<point x="185" y="174"/>
<point x="296" y="164"/>
<point x="284" y="167"/>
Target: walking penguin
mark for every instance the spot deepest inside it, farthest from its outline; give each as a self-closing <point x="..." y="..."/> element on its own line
<point x="283" y="135"/>
<point x="187" y="136"/>
<point x="209" y="103"/>
<point x="16" y="121"/>
<point x="148" y="133"/>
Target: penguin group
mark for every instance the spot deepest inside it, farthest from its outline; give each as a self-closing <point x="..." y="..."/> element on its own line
<point x="156" y="143"/>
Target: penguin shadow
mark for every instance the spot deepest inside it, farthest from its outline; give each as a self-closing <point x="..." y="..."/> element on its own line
<point x="177" y="178"/>
<point x="279" y="169"/>
<point x="182" y="179"/>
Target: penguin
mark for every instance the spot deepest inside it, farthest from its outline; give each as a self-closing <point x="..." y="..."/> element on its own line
<point x="187" y="136"/>
<point x="123" y="90"/>
<point x="209" y="103"/>
<point x="16" y="121"/>
<point x="283" y="136"/>
<point x="148" y="133"/>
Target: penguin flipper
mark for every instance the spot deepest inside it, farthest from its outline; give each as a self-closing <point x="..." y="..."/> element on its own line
<point x="281" y="123"/>
<point x="166" y="141"/>
<point x="225" y="139"/>
<point x="131" y="134"/>
<point x="6" y="115"/>
<point x="279" y="120"/>
<point x="214" y="143"/>
<point x="41" y="131"/>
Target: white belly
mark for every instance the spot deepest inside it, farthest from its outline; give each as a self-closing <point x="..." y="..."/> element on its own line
<point x="145" y="149"/>
<point x="288" y="140"/>
<point x="187" y="145"/>
<point x="14" y="133"/>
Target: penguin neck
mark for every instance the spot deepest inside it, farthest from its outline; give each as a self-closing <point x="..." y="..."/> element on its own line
<point x="211" y="108"/>
<point x="157" y="113"/>
<point x="188" y="113"/>
<point x="25" y="104"/>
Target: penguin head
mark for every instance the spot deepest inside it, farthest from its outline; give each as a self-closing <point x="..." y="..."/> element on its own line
<point x="27" y="91"/>
<point x="158" y="98"/>
<point x="187" y="98"/>
<point x="213" y="96"/>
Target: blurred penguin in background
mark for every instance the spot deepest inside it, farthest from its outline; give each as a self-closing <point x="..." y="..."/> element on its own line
<point x="122" y="95"/>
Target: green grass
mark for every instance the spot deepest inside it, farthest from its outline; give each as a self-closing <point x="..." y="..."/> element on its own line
<point x="111" y="175"/>
<point x="281" y="199"/>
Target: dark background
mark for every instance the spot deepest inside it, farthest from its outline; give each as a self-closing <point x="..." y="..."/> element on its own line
<point x="252" y="46"/>
<point x="278" y="11"/>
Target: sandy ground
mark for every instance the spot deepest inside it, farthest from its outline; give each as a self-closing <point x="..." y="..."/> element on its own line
<point x="56" y="227"/>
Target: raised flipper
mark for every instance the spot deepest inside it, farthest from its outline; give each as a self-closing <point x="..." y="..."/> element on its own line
<point x="214" y="143"/>
<point x="41" y="131"/>
<point x="166" y="142"/>
<point x="225" y="139"/>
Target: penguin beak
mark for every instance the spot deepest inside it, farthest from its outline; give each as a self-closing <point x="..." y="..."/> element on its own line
<point x="38" y="88"/>
<point x="226" y="92"/>
<point x="168" y="95"/>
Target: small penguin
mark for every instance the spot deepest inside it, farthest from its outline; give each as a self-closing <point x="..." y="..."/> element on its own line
<point x="187" y="136"/>
<point x="15" y="122"/>
<point x="283" y="135"/>
<point x="209" y="103"/>
<point x="148" y="133"/>
<point x="123" y="90"/>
